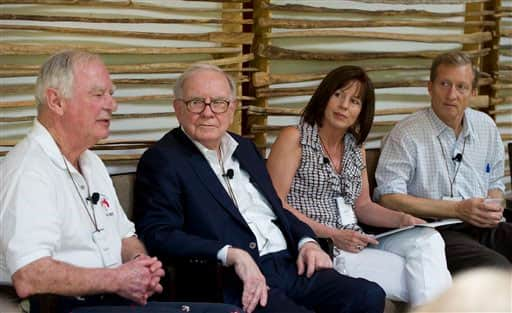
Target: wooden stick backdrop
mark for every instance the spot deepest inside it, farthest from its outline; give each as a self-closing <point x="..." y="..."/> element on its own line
<point x="145" y="46"/>
<point x="381" y="41"/>
<point x="279" y="51"/>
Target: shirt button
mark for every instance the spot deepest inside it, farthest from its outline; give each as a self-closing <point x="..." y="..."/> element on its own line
<point x="252" y="245"/>
<point x="82" y="187"/>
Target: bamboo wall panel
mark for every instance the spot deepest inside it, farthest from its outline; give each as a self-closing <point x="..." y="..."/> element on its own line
<point x="145" y="44"/>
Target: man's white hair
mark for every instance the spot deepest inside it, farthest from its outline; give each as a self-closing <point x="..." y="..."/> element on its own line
<point x="178" y="87"/>
<point x="57" y="72"/>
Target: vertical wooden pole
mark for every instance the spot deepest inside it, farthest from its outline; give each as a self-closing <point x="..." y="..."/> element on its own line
<point x="473" y="8"/>
<point x="262" y="64"/>
<point x="490" y="62"/>
<point x="236" y="126"/>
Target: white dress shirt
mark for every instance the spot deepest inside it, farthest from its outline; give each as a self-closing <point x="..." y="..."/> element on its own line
<point x="253" y="206"/>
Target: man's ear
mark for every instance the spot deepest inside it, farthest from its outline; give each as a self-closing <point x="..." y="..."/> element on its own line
<point x="177" y="107"/>
<point x="473" y="92"/>
<point x="54" y="101"/>
<point x="232" y="108"/>
<point x="429" y="87"/>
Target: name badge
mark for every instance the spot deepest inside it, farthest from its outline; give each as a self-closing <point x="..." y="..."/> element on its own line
<point x="451" y="198"/>
<point x="100" y="239"/>
<point x="347" y="215"/>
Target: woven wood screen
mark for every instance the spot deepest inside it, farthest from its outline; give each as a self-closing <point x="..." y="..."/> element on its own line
<point x="298" y="42"/>
<point x="145" y="45"/>
<point x="277" y="49"/>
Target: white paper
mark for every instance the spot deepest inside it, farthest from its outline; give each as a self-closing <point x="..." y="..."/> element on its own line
<point x="447" y="221"/>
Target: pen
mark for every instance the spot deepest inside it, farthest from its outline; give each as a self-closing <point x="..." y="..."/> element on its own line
<point x="488" y="168"/>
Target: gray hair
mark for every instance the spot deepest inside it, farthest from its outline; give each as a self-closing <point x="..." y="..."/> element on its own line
<point x="178" y="87"/>
<point x="57" y="72"/>
<point x="455" y="58"/>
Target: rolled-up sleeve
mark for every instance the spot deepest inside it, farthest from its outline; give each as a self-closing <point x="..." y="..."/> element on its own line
<point x="125" y="227"/>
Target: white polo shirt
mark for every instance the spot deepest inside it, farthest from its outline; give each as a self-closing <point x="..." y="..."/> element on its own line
<point x="41" y="213"/>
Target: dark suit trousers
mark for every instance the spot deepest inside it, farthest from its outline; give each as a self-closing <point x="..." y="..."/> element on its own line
<point x="110" y="303"/>
<point x="468" y="246"/>
<point x="326" y="291"/>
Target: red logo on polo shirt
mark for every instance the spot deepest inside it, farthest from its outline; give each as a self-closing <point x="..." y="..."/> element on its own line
<point x="105" y="204"/>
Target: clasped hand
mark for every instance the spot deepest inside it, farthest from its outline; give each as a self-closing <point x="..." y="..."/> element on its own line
<point x="139" y="279"/>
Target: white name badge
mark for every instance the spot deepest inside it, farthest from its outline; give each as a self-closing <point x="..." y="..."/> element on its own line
<point x="100" y="239"/>
<point x="452" y="198"/>
<point x="346" y="213"/>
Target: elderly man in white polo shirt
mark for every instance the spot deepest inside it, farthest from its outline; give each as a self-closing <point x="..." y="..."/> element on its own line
<point x="62" y="229"/>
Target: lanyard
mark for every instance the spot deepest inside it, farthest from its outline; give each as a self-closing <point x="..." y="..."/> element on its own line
<point x="92" y="216"/>
<point x="226" y="178"/>
<point x="452" y="181"/>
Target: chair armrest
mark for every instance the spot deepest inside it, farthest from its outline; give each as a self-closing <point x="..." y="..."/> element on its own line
<point x="9" y="301"/>
<point x="327" y="245"/>
<point x="193" y="279"/>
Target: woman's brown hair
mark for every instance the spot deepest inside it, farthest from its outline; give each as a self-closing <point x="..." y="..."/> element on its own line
<point x="336" y="79"/>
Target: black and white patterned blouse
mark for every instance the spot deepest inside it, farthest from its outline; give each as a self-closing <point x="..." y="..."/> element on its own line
<point x="316" y="184"/>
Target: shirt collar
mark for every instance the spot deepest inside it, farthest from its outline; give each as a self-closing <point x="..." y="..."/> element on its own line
<point x="228" y="146"/>
<point x="46" y="141"/>
<point x="440" y="127"/>
<point x="468" y="129"/>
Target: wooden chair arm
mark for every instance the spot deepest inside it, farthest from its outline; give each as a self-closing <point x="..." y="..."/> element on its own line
<point x="327" y="245"/>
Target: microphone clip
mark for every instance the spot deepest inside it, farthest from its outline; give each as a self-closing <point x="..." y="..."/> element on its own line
<point x="457" y="157"/>
<point x="229" y="173"/>
<point x="94" y="198"/>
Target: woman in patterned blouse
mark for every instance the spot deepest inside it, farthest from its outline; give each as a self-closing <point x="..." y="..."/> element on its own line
<point x="318" y="169"/>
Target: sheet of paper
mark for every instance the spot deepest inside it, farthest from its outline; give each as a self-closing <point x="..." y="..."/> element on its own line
<point x="435" y="224"/>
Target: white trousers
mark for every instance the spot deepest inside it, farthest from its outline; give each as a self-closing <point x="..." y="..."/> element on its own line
<point x="410" y="266"/>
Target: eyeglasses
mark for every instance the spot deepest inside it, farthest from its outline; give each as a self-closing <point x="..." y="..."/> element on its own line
<point x="462" y="88"/>
<point x="197" y="105"/>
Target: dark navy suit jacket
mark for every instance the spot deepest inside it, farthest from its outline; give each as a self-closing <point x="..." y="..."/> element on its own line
<point x="184" y="211"/>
